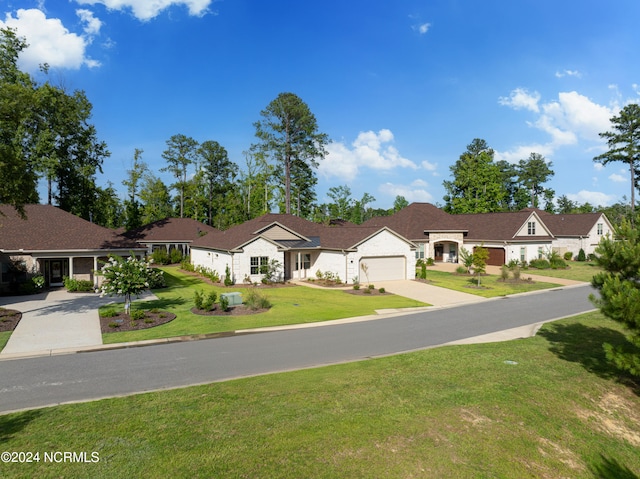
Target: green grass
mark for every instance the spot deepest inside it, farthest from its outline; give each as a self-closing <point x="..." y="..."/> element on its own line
<point x="4" y="338"/>
<point x="455" y="412"/>
<point x="490" y="286"/>
<point x="578" y="271"/>
<point x="291" y="305"/>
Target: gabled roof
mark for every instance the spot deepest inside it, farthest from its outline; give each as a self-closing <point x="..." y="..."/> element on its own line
<point x="170" y="230"/>
<point x="416" y="218"/>
<point x="502" y="226"/>
<point x="309" y="235"/>
<point x="578" y="224"/>
<point x="47" y="228"/>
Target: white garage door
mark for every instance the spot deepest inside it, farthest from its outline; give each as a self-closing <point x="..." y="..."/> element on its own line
<point x="383" y="268"/>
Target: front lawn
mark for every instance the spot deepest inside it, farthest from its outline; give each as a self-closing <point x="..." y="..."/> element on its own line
<point x="291" y="305"/>
<point x="544" y="407"/>
<point x="577" y="271"/>
<point x="490" y="286"/>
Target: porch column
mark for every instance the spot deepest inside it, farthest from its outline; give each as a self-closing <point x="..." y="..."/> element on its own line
<point x="71" y="267"/>
<point x="95" y="271"/>
<point x="299" y="270"/>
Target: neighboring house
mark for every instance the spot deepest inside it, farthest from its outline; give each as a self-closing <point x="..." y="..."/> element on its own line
<point x="169" y="234"/>
<point x="303" y="248"/>
<point x="56" y="244"/>
<point x="520" y="235"/>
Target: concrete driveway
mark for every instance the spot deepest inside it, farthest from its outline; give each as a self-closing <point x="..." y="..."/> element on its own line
<point x="427" y="293"/>
<point x="54" y="321"/>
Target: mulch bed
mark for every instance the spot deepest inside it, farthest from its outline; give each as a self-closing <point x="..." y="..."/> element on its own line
<point x="361" y="292"/>
<point x="150" y="320"/>
<point x="239" y="310"/>
<point x="236" y="285"/>
<point x="9" y="319"/>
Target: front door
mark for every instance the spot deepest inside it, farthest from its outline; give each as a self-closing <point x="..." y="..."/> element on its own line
<point x="438" y="252"/>
<point x="56" y="273"/>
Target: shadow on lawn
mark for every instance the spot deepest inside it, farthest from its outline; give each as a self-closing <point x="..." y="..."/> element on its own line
<point x="611" y="469"/>
<point x="14" y="423"/>
<point x="583" y="344"/>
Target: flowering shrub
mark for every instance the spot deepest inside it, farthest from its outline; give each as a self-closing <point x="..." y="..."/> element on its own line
<point x="125" y="277"/>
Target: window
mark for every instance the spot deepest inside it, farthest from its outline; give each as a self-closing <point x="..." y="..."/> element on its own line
<point x="306" y="261"/>
<point x="540" y="253"/>
<point x="257" y="263"/>
<point x="531" y="227"/>
<point x="420" y="251"/>
<point x="523" y="254"/>
<point x="600" y="229"/>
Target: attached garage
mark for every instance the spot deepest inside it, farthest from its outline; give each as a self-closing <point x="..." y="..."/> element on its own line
<point x="383" y="268"/>
<point x="496" y="256"/>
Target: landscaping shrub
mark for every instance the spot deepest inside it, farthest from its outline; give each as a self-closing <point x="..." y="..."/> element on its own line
<point x="568" y="256"/>
<point x="224" y="303"/>
<point x="356" y="286"/>
<point x="539" y="263"/>
<point x="367" y="290"/>
<point x="156" y="279"/>
<point x="372" y="286"/>
<point x="114" y="325"/>
<point x="516" y="273"/>
<point x="109" y="313"/>
<point x="175" y="256"/>
<point x="209" y="301"/>
<point x="228" y="280"/>
<point x="212" y="274"/>
<point x="461" y="270"/>
<point x="504" y="272"/>
<point x="581" y="255"/>
<point x="160" y="256"/>
<point x="255" y="300"/>
<point x="197" y="299"/>
<point x="78" y="285"/>
<point x="382" y="290"/>
<point x="186" y="265"/>
<point x="136" y="314"/>
<point x="38" y="282"/>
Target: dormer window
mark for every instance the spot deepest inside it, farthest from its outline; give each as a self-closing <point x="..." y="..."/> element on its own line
<point x="531" y="228"/>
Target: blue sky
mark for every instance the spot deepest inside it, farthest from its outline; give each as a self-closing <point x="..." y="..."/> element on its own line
<point x="401" y="87"/>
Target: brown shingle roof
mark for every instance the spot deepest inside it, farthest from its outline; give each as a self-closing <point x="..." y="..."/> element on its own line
<point x="412" y="221"/>
<point x="331" y="237"/>
<point x="578" y="224"/>
<point x="178" y="230"/>
<point x="47" y="228"/>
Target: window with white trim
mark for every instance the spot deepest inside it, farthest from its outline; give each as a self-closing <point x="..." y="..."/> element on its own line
<point x="305" y="261"/>
<point x="600" y="229"/>
<point x="531" y="228"/>
<point x="257" y="263"/>
<point x="420" y="251"/>
<point x="523" y="254"/>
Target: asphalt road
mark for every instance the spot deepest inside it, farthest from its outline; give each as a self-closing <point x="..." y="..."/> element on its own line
<point x="37" y="382"/>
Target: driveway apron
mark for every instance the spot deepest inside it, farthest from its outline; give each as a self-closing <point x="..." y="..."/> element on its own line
<point x="427" y="293"/>
<point x="56" y="320"/>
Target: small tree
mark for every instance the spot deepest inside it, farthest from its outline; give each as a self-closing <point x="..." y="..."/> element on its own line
<point x="466" y="258"/>
<point x="125" y="277"/>
<point x="619" y="287"/>
<point x="480" y="257"/>
<point x="365" y="269"/>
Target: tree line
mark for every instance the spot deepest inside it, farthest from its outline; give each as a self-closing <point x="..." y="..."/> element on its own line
<point x="46" y="136"/>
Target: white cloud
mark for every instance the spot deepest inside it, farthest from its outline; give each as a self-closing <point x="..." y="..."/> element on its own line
<point x="568" y="73"/>
<point x="148" y="9"/>
<point x="369" y="150"/>
<point x="422" y="28"/>
<point x="617" y="178"/>
<point x="92" y="24"/>
<point x="567" y="120"/>
<point x="521" y="98"/>
<point x="598" y="166"/>
<point x="414" y="192"/>
<point x="49" y="41"/>
<point x="594" y="198"/>
<point x="432" y="167"/>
